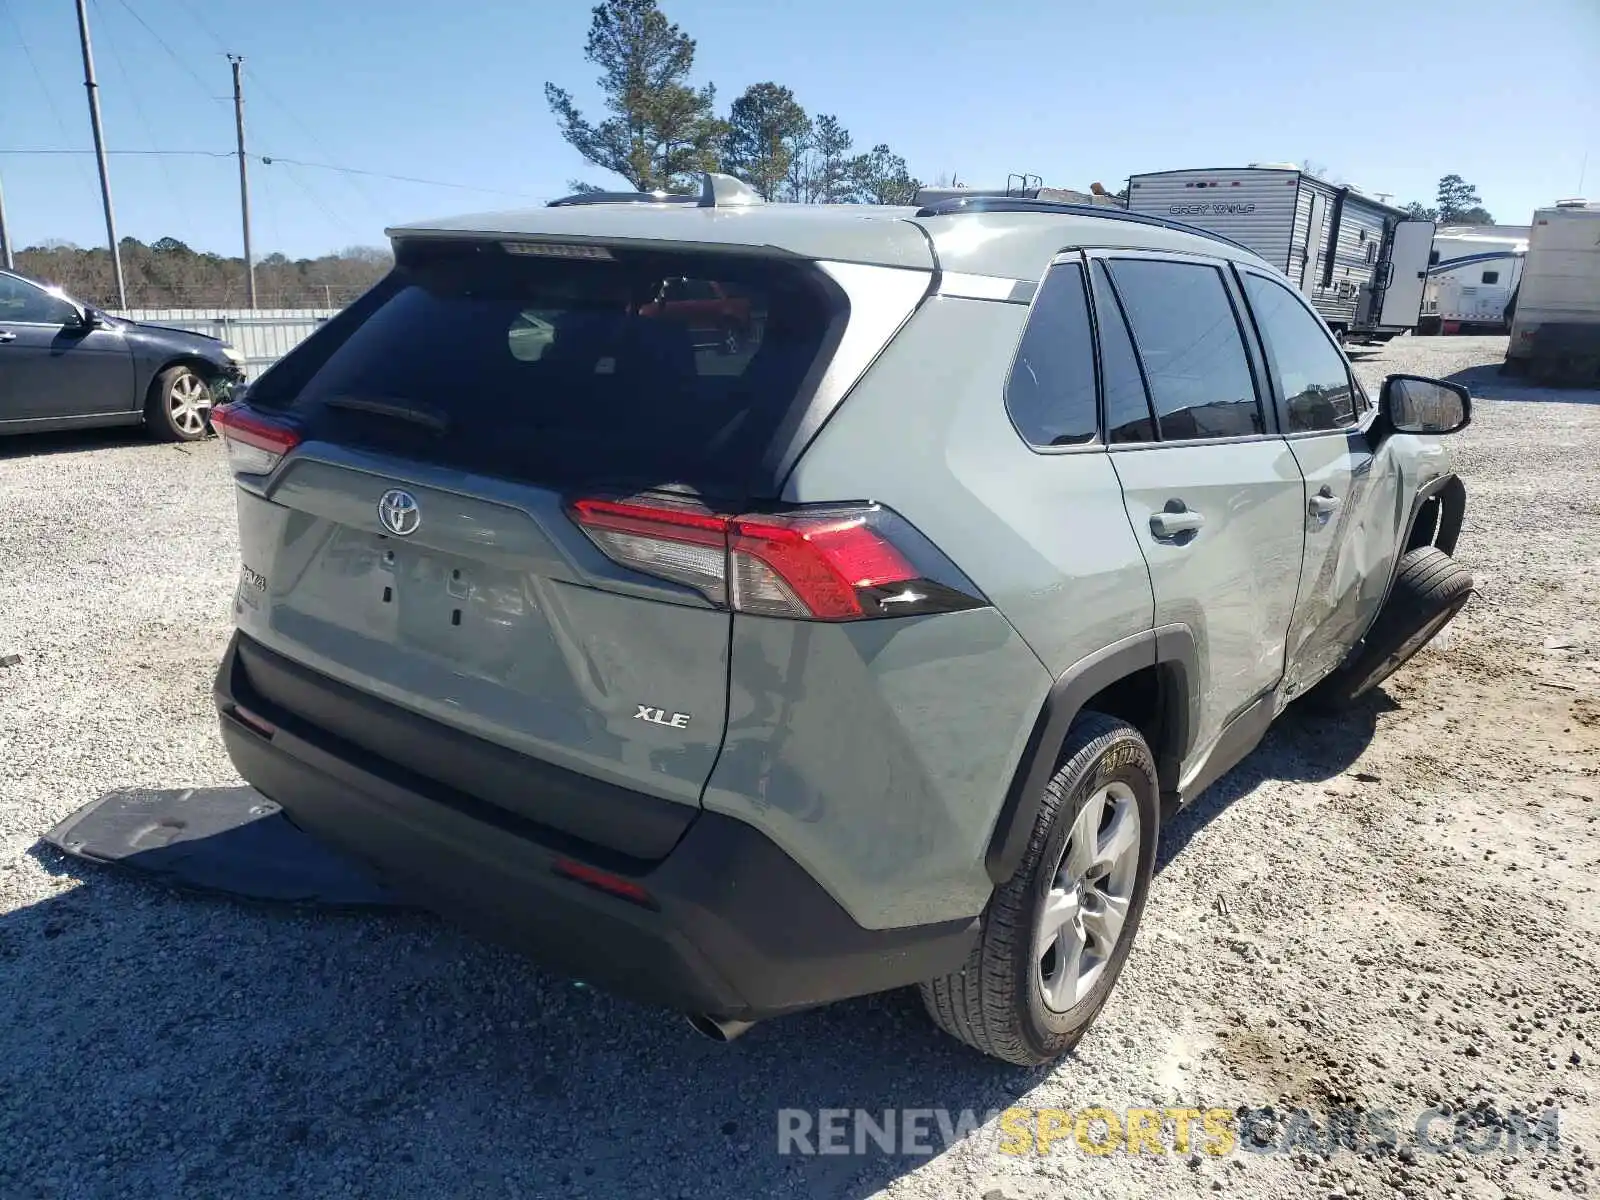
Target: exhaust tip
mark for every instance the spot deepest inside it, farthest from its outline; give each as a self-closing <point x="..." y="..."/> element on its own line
<point x="718" y="1029"/>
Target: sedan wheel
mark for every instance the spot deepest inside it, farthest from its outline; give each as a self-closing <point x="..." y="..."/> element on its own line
<point x="180" y="402"/>
<point x="188" y="402"/>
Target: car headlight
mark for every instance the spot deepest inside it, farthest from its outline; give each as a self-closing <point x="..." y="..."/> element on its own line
<point x="233" y="356"/>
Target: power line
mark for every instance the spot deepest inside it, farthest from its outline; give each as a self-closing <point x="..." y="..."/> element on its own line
<point x="173" y="54"/>
<point x="269" y="160"/>
<point x="173" y="153"/>
<point x="311" y="135"/>
<point x="465" y="187"/>
<point x="269" y="209"/>
<point x="178" y="193"/>
<point x="317" y="200"/>
<point x="202" y="26"/>
<point x="27" y="53"/>
<point x="38" y="75"/>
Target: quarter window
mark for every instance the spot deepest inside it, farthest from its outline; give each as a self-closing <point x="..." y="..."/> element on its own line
<point x="1491" y="276"/>
<point x="1188" y="339"/>
<point x="1051" y="393"/>
<point x="1309" y="370"/>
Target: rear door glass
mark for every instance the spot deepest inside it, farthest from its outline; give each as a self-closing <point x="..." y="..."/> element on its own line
<point x="1193" y="353"/>
<point x="643" y="370"/>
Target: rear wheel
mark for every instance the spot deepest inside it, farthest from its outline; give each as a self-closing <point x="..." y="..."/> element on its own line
<point x="1056" y="934"/>
<point x="180" y="401"/>
<point x="1429" y="590"/>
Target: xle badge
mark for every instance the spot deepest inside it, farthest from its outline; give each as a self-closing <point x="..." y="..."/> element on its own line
<point x="658" y="716"/>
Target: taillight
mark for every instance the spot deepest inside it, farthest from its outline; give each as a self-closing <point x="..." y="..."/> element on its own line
<point x="683" y="545"/>
<point x="255" y="445"/>
<point x="811" y="567"/>
<point x="837" y="564"/>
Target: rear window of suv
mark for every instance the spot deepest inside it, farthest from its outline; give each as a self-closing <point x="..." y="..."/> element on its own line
<point x="649" y="370"/>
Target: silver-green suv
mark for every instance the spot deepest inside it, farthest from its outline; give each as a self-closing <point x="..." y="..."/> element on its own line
<point x="751" y="606"/>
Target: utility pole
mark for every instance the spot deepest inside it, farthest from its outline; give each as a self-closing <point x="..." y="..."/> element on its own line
<point x="6" y="259"/>
<point x="244" y="176"/>
<point x="100" y="150"/>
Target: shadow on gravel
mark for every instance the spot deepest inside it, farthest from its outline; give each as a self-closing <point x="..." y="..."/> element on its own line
<point x="1489" y="383"/>
<point x="76" y="441"/>
<point x="1301" y="747"/>
<point x="158" y="1044"/>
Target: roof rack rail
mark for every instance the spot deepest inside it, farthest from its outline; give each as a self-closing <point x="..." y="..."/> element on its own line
<point x="622" y="198"/>
<point x="1010" y="204"/>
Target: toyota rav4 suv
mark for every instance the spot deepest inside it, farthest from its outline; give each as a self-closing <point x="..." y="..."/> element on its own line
<point x="866" y="650"/>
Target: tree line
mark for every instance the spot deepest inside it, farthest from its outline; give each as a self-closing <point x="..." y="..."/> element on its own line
<point x="168" y="274"/>
<point x="1456" y="203"/>
<point x="661" y="130"/>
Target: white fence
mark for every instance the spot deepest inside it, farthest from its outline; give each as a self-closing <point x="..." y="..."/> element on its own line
<point x="262" y="335"/>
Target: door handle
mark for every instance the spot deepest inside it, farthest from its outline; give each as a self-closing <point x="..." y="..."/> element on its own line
<point x="1174" y="521"/>
<point x="1323" y="504"/>
<point x="7" y="336"/>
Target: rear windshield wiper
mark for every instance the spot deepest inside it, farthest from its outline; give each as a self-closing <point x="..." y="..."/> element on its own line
<point x="400" y="410"/>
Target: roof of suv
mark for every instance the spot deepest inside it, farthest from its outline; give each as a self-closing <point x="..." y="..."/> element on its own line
<point x="1017" y="241"/>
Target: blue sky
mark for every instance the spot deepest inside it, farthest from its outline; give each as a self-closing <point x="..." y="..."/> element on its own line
<point x="1388" y="96"/>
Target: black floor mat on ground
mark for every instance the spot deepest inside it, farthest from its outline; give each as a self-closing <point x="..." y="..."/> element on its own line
<point x="229" y="841"/>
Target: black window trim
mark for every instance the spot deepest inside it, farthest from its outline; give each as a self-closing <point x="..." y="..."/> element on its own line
<point x="1271" y="426"/>
<point x="1279" y="402"/>
<point x="1098" y="444"/>
<point x="1138" y="360"/>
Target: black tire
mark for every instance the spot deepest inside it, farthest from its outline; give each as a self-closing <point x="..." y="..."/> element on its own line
<point x="168" y="412"/>
<point x="995" y="1002"/>
<point x="1429" y="590"/>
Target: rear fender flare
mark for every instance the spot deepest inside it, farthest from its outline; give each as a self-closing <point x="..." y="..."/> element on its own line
<point x="1170" y="648"/>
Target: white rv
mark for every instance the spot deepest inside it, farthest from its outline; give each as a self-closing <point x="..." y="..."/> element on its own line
<point x="1555" y="330"/>
<point x="1473" y="272"/>
<point x="1360" y="262"/>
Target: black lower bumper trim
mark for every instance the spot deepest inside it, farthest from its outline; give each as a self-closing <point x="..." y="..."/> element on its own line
<point x="740" y="930"/>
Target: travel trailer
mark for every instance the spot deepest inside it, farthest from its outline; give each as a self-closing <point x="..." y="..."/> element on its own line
<point x="1360" y="262"/>
<point x="1555" y="331"/>
<point x="1473" y="272"/>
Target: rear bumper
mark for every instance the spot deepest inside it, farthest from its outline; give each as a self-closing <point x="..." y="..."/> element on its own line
<point x="734" y="927"/>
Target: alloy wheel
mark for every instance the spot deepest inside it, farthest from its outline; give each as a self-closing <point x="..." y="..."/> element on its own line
<point x="1090" y="893"/>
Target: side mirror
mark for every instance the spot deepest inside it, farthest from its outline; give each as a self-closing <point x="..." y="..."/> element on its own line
<point x="1417" y="404"/>
<point x="85" y="319"/>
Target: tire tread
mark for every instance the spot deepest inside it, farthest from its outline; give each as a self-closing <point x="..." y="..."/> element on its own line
<point x="978" y="1004"/>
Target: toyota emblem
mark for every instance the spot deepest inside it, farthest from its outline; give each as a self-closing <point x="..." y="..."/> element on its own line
<point x="399" y="512"/>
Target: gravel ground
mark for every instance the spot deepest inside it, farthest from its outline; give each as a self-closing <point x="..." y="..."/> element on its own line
<point x="1395" y="911"/>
